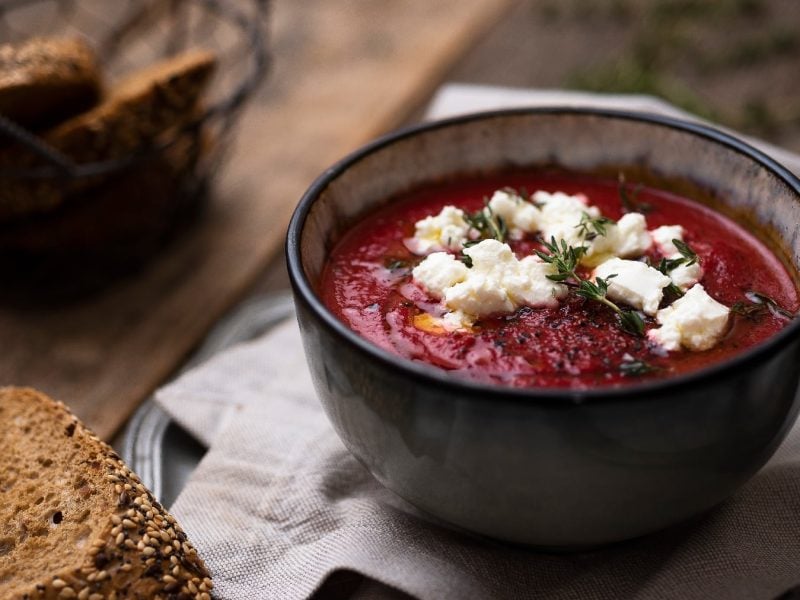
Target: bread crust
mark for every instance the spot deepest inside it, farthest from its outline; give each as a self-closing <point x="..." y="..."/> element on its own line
<point x="44" y="80"/>
<point x="156" y="100"/>
<point x="135" y="550"/>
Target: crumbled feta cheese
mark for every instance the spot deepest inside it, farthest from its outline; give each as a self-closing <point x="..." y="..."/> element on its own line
<point x="496" y="283"/>
<point x="663" y="236"/>
<point x="635" y="284"/>
<point x="627" y="238"/>
<point x="446" y="231"/>
<point x="683" y="276"/>
<point x="519" y="215"/>
<point x="482" y="292"/>
<point x="439" y="271"/>
<point x="561" y="214"/>
<point x="695" y="321"/>
<point x="529" y="286"/>
<point x="453" y="321"/>
<point x="479" y="294"/>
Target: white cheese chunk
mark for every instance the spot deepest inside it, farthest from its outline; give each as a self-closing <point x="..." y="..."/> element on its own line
<point x="496" y="283"/>
<point x="635" y="283"/>
<point x="483" y="291"/>
<point x="695" y="321"/>
<point x="529" y="286"/>
<point x="519" y="215"/>
<point x="683" y="276"/>
<point x="561" y="214"/>
<point x="479" y="294"/>
<point x="630" y="236"/>
<point x="627" y="238"/>
<point x="439" y="271"/>
<point x="446" y="231"/>
<point x="663" y="236"/>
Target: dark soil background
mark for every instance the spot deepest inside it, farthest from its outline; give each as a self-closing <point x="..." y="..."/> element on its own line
<point x="736" y="62"/>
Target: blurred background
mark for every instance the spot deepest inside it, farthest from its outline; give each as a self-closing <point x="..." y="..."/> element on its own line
<point x="731" y="61"/>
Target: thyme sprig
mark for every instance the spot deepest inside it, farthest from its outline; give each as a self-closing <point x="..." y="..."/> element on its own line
<point x="688" y="257"/>
<point x="636" y="368"/>
<point x="522" y="193"/>
<point x="565" y="259"/>
<point x="629" y="199"/>
<point x="488" y="225"/>
<point x="590" y="227"/>
<point x="687" y="253"/>
<point x="396" y="264"/>
<point x="759" y="304"/>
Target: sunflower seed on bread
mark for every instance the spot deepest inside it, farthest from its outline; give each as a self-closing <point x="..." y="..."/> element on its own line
<point x="75" y="522"/>
<point x="45" y="80"/>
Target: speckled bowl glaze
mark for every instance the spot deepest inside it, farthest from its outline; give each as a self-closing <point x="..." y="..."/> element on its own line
<point x="551" y="468"/>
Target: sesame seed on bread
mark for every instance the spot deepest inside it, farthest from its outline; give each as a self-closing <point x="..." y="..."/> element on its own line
<point x="44" y="80"/>
<point x="75" y="522"/>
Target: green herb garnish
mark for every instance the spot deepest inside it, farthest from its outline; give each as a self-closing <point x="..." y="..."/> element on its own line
<point x="757" y="305"/>
<point x="636" y="368"/>
<point x="489" y="227"/>
<point x="667" y="265"/>
<point x="487" y="224"/>
<point x="629" y="199"/>
<point x="686" y="252"/>
<point x="522" y="193"/>
<point x="565" y="259"/>
<point x="591" y="227"/>
<point x="395" y="264"/>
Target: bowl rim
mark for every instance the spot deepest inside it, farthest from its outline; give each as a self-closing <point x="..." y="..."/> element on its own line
<point x="437" y="378"/>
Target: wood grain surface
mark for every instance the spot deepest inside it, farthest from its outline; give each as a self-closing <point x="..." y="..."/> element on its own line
<point x="343" y="72"/>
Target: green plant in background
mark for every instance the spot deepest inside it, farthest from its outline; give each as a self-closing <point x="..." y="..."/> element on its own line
<point x="669" y="46"/>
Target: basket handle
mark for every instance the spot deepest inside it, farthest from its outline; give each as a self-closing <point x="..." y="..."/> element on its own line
<point x="37" y="145"/>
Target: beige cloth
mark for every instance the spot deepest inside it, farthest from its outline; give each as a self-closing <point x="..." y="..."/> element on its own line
<point x="278" y="505"/>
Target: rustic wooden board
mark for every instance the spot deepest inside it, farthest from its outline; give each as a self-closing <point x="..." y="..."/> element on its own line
<point x="344" y="71"/>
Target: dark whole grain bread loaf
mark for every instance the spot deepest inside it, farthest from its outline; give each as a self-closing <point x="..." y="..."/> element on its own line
<point x="75" y="522"/>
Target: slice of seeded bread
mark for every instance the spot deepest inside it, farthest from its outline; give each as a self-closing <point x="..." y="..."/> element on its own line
<point x="149" y="103"/>
<point x="44" y="80"/>
<point x="75" y="522"/>
<point x="137" y="110"/>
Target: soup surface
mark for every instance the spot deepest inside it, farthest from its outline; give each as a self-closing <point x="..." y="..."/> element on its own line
<point x="578" y="343"/>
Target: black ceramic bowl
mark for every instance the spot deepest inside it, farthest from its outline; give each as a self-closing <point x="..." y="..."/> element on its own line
<point x="546" y="467"/>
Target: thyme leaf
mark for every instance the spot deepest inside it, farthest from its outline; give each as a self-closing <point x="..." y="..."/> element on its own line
<point x="688" y="257"/>
<point x="686" y="252"/>
<point x="635" y="368"/>
<point x="629" y="199"/>
<point x="590" y="227"/>
<point x="396" y="264"/>
<point x="521" y="193"/>
<point x="758" y="305"/>
<point x="488" y="225"/>
<point x="565" y="259"/>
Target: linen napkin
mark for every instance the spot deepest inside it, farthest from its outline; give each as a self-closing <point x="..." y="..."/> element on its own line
<point x="278" y="506"/>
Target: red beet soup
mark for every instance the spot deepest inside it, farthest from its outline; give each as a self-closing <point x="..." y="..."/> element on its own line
<point x="368" y="283"/>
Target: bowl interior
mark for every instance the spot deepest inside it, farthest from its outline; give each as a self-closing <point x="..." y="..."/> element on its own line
<point x="691" y="160"/>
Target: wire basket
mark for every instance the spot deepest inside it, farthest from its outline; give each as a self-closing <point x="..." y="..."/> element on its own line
<point x="127" y="35"/>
